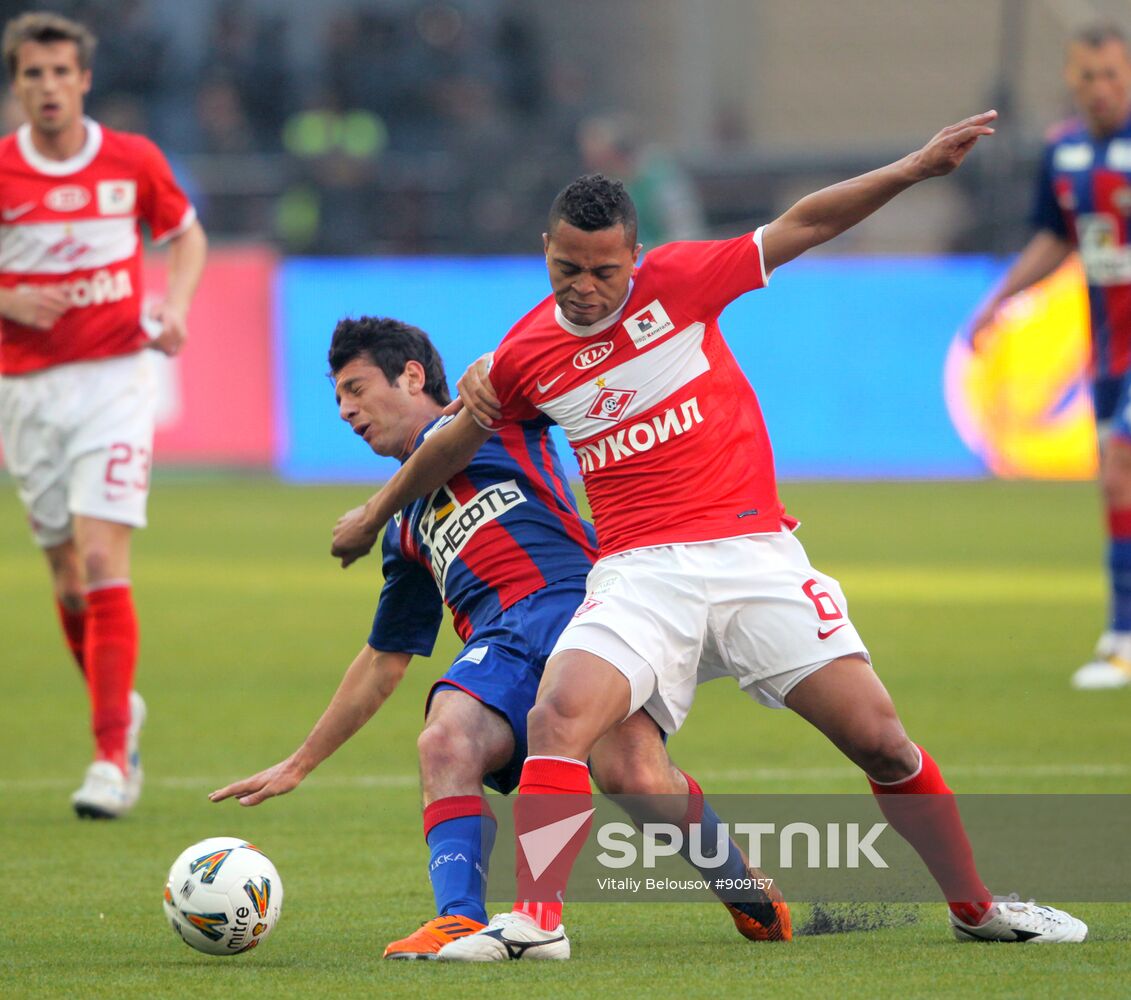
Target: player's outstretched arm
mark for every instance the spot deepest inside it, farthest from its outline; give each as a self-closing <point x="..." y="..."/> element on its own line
<point x="186" y="264"/>
<point x="444" y="452"/>
<point x="366" y="686"/>
<point x="1043" y="254"/>
<point x="820" y="216"/>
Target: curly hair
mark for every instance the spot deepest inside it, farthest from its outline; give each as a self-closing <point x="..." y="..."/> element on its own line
<point x="595" y="202"/>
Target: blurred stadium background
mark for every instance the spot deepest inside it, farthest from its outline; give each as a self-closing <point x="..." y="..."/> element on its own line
<point x="398" y="157"/>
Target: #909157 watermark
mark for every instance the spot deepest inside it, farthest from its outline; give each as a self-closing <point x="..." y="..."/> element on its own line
<point x="812" y="848"/>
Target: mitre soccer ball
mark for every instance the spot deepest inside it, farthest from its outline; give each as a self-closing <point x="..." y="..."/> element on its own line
<point x="223" y="896"/>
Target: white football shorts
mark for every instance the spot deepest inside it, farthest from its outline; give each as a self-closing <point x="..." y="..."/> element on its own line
<point x="78" y="439"/>
<point x="672" y="617"/>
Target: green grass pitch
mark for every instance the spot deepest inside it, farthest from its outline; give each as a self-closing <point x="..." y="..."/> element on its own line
<point x="976" y="599"/>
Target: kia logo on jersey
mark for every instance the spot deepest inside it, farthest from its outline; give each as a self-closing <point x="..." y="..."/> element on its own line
<point x="587" y="357"/>
<point x="610" y="404"/>
<point x="68" y="198"/>
<point x="648" y="323"/>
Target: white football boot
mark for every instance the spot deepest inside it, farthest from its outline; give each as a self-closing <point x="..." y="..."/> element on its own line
<point x="104" y="793"/>
<point x="1110" y="667"/>
<point x="134" y="773"/>
<point x="1012" y="920"/>
<point x="508" y="936"/>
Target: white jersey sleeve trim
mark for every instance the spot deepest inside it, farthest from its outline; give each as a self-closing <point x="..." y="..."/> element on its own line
<point x="60" y="168"/>
<point x="761" y="255"/>
<point x="171" y="234"/>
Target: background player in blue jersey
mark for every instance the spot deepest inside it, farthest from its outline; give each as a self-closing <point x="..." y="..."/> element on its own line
<point x="1083" y="201"/>
<point x="503" y="545"/>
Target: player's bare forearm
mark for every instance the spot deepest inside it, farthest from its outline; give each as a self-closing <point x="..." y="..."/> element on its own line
<point x="187" y="253"/>
<point x="444" y="453"/>
<point x="366" y="686"/>
<point x="827" y="213"/>
<point x="186" y="264"/>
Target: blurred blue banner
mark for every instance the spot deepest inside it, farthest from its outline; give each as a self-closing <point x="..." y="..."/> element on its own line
<point x="846" y="354"/>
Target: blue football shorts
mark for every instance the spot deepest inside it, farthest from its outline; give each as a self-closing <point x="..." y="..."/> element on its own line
<point x="502" y="663"/>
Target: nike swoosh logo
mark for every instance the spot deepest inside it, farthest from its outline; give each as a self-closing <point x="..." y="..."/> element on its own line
<point x="822" y="634"/>
<point x="549" y="385"/>
<point x="10" y="214"/>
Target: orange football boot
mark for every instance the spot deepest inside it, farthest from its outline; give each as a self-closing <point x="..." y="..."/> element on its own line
<point x="766" y="919"/>
<point x="433" y="935"/>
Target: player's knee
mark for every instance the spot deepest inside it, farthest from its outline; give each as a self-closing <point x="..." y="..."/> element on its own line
<point x="550" y="721"/>
<point x="1115" y="474"/>
<point x="886" y="754"/>
<point x="72" y="599"/>
<point x="634" y="777"/>
<point x="98" y="563"/>
<point x="448" y="749"/>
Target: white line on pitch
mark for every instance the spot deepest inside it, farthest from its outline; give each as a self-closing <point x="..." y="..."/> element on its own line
<point x="737" y="774"/>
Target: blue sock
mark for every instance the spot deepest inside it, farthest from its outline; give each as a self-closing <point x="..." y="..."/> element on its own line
<point x="699" y="811"/>
<point x="457" y="867"/>
<point x="1119" y="564"/>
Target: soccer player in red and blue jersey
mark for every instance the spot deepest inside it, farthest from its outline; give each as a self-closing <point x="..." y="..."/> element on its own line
<point x="700" y="575"/>
<point x="1083" y="201"/>
<point x="502" y="544"/>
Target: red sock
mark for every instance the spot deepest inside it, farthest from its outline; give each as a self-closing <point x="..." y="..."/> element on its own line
<point x="74" y="629"/>
<point x="551" y="790"/>
<point x="923" y="811"/>
<point x="694" y="812"/>
<point x="111" y="656"/>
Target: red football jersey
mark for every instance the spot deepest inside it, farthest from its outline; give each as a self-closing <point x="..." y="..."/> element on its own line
<point x="75" y="224"/>
<point x="666" y="428"/>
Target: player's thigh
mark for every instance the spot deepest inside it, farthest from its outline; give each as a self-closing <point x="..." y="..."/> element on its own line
<point x="774" y="618"/>
<point x="500" y="669"/>
<point x="34" y="441"/>
<point x="848" y="702"/>
<point x="644" y="613"/>
<point x="110" y="450"/>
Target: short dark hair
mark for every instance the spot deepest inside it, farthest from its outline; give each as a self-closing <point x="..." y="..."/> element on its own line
<point x="390" y="345"/>
<point x="1099" y="34"/>
<point x="45" y="28"/>
<point x="595" y="202"/>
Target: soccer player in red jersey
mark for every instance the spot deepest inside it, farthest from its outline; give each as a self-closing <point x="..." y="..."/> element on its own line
<point x="77" y="394"/>
<point x="458" y="546"/>
<point x="699" y="574"/>
<point x="1082" y="201"/>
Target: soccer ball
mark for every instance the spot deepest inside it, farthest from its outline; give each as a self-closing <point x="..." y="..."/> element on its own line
<point x="223" y="896"/>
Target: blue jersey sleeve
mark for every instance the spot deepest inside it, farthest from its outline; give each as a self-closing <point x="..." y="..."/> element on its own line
<point x="409" y="611"/>
<point x="1046" y="213"/>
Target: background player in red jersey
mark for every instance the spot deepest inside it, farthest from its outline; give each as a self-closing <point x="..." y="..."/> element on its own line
<point x="76" y="388"/>
<point x="458" y="546"/>
<point x="700" y="575"/>
<point x="1082" y="201"/>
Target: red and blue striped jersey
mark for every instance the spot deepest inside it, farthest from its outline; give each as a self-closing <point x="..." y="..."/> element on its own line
<point x="1084" y="196"/>
<point x="505" y="527"/>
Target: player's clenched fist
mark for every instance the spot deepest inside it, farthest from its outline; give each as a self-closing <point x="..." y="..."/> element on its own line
<point x="354" y="537"/>
<point x="477" y="394"/>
